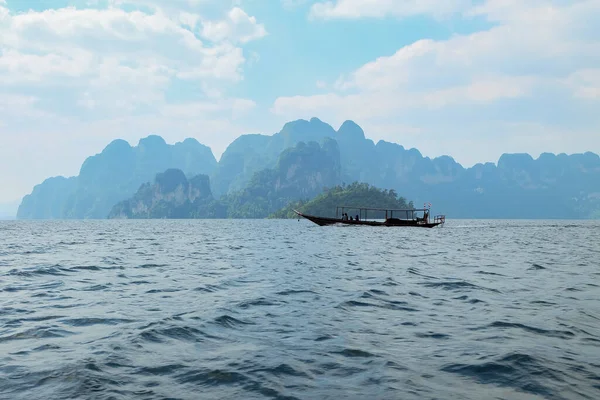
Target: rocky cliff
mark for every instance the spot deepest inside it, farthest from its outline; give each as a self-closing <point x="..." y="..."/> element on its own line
<point x="171" y="195"/>
<point x="301" y="172"/>
<point x="114" y="175"/>
<point x="518" y="186"/>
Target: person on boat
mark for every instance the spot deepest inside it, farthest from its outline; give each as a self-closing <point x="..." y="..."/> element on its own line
<point x="351" y="219"/>
<point x="357" y="217"/>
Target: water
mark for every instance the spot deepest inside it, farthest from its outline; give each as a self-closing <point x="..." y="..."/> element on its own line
<point x="287" y="309"/>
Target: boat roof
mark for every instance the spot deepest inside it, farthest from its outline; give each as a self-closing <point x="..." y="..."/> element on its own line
<point x="384" y="209"/>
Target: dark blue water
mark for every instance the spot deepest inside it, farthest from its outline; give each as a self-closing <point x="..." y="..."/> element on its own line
<point x="287" y="309"/>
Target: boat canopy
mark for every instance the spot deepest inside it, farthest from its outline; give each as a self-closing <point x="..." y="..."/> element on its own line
<point x="378" y="213"/>
<point x="383" y="209"/>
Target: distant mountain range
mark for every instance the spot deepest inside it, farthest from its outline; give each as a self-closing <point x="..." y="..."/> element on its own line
<point x="112" y="176"/>
<point x="258" y="173"/>
<point x="301" y="172"/>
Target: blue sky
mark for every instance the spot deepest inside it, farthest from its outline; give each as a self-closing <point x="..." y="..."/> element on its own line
<point x="471" y="79"/>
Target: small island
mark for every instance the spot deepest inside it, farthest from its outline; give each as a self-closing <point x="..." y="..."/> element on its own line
<point x="356" y="194"/>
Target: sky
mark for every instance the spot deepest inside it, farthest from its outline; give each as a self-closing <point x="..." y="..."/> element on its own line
<point x="469" y="79"/>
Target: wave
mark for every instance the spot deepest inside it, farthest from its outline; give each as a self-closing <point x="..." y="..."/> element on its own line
<point x="390" y="305"/>
<point x="145" y="266"/>
<point x="527" y="328"/>
<point x="432" y="335"/>
<point x="261" y="301"/>
<point x="536" y="267"/>
<point x="95" y="321"/>
<point x="518" y="370"/>
<point x="283" y="370"/>
<point x="54" y="270"/>
<point x="180" y="333"/>
<point x="354" y="353"/>
<point x="292" y="292"/>
<point x="456" y="285"/>
<point x="230" y="322"/>
<point x="37" y="333"/>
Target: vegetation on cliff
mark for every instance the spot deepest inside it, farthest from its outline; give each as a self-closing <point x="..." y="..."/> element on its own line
<point x="301" y="172"/>
<point x="171" y="195"/>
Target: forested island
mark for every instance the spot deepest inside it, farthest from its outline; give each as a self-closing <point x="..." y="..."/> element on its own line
<point x="354" y="195"/>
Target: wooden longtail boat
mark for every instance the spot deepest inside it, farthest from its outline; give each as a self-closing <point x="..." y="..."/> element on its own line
<point x="411" y="217"/>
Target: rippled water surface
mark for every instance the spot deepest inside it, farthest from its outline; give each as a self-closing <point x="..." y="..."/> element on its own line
<point x="287" y="309"/>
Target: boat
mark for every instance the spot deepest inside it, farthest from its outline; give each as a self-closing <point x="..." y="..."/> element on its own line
<point x="411" y="215"/>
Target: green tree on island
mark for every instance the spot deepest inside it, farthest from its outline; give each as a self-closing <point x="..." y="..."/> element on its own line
<point x="354" y="195"/>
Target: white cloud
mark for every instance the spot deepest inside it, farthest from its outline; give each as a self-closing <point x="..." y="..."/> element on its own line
<point x="237" y="107"/>
<point x="585" y="83"/>
<point x="236" y="27"/>
<point x="73" y="79"/>
<point x="71" y="42"/>
<point x="116" y="56"/>
<point x="291" y="4"/>
<point x="352" y="9"/>
<point x="16" y="101"/>
<point x="17" y="106"/>
<point x="535" y="57"/>
<point x="189" y="20"/>
<point x="171" y="5"/>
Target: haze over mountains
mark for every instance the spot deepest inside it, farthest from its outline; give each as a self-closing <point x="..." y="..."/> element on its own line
<point x="287" y="166"/>
<point x="8" y="210"/>
<point x="112" y="176"/>
<point x="301" y="172"/>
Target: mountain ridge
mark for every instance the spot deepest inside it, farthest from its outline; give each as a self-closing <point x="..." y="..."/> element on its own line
<point x="113" y="175"/>
<point x="561" y="185"/>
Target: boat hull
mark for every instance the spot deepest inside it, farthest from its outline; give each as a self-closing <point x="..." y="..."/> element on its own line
<point x="324" y="221"/>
